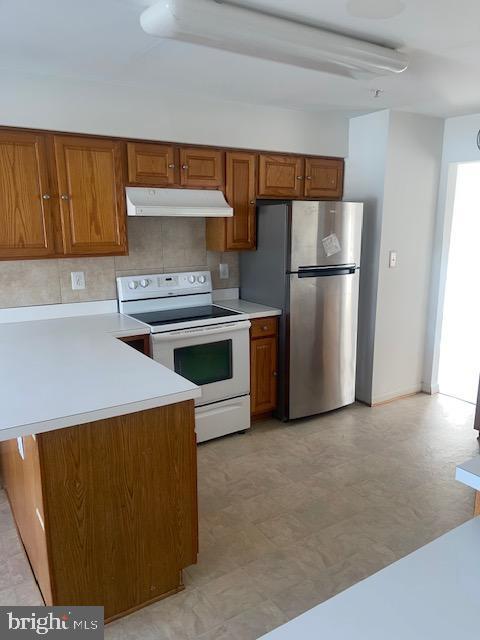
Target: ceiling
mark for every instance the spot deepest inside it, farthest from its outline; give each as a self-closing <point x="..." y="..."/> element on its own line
<point x="102" y="40"/>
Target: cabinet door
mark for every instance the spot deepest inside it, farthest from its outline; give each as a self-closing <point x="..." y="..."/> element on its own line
<point x="263" y="390"/>
<point x="92" y="202"/>
<point x="26" y="227"/>
<point x="202" y="168"/>
<point x="240" y="192"/>
<point x="323" y="178"/>
<point x="233" y="234"/>
<point x="152" y="164"/>
<point x="280" y="176"/>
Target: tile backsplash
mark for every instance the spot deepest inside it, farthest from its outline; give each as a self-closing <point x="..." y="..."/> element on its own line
<point x="156" y="245"/>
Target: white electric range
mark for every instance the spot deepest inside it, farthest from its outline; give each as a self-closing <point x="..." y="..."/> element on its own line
<point x="201" y="341"/>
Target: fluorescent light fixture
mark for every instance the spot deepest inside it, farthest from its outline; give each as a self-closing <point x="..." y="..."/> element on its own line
<point x="243" y="30"/>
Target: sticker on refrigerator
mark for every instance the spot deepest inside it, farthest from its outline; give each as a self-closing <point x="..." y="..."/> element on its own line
<point x="331" y="245"/>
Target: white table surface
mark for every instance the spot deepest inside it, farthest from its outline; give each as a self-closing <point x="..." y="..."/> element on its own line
<point x="68" y="371"/>
<point x="469" y="473"/>
<point x="251" y="309"/>
<point x="431" y="594"/>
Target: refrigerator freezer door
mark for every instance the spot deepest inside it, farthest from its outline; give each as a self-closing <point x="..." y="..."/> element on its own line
<point x="325" y="233"/>
<point x="323" y="339"/>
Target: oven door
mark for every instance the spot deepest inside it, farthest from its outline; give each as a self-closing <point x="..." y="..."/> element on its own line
<point x="216" y="358"/>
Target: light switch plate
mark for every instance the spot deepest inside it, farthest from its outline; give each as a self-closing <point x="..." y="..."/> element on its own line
<point x="223" y="270"/>
<point x="392" y="260"/>
<point x="78" y="280"/>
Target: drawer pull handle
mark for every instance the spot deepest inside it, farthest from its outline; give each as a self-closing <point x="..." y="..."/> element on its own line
<point x="171" y="166"/>
<point x="275" y="374"/>
<point x="46" y="196"/>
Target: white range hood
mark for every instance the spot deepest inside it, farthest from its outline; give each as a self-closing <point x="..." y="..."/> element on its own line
<point x="192" y="203"/>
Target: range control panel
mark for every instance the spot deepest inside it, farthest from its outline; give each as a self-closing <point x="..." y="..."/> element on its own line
<point x="163" y="285"/>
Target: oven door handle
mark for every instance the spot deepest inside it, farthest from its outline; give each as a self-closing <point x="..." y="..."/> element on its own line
<point x="201" y="331"/>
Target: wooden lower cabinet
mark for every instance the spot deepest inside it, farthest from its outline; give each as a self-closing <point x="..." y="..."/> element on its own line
<point x="107" y="511"/>
<point x="263" y="366"/>
<point x="477" y="504"/>
<point x="140" y="343"/>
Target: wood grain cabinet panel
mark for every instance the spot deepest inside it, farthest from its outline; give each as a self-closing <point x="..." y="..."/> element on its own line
<point x="21" y="476"/>
<point x="92" y="200"/>
<point x="202" y="168"/>
<point x="280" y="176"/>
<point x="119" y="507"/>
<point x="236" y="233"/>
<point x="151" y="164"/>
<point x="263" y="366"/>
<point x="26" y="225"/>
<point x="323" y="178"/>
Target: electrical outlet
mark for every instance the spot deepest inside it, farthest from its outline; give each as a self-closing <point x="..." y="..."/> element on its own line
<point x="78" y="280"/>
<point x="223" y="270"/>
<point x="392" y="260"/>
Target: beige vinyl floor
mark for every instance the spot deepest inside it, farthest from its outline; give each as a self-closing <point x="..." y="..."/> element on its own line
<point x="290" y="515"/>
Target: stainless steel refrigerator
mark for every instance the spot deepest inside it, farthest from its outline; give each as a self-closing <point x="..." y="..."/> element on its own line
<point x="307" y="263"/>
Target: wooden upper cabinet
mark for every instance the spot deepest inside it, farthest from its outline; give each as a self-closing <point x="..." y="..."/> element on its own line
<point x="151" y="164"/>
<point x="238" y="232"/>
<point x="202" y="168"/>
<point x="92" y="201"/>
<point x="323" y="178"/>
<point x="26" y="226"/>
<point x="240" y="193"/>
<point x="280" y="176"/>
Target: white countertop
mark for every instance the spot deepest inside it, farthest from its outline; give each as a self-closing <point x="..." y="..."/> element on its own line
<point x="251" y="309"/>
<point x="68" y="371"/>
<point x="430" y="594"/>
<point x="469" y="473"/>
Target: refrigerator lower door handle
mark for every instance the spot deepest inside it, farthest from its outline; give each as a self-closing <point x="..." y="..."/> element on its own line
<point x="315" y="272"/>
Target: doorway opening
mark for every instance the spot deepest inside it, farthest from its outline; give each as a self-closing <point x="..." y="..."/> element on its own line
<point x="459" y="366"/>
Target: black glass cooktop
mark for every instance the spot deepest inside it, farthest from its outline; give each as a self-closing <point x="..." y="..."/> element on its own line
<point x="171" y="316"/>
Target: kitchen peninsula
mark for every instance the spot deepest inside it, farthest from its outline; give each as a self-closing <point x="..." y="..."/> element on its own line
<point x="98" y="460"/>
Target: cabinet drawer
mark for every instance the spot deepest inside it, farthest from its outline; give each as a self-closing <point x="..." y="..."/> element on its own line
<point x="262" y="327"/>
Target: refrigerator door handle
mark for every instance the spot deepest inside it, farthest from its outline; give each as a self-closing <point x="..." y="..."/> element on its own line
<point x="315" y="272"/>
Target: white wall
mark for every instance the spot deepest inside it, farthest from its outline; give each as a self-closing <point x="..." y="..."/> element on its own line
<point x="109" y="109"/>
<point x="393" y="166"/>
<point x="459" y="145"/>
<point x="364" y="182"/>
<point x="410" y="199"/>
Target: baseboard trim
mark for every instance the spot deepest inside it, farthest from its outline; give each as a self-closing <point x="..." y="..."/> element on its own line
<point x="431" y="389"/>
<point x="376" y="402"/>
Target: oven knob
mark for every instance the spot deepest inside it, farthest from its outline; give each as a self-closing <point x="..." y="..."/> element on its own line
<point x="144" y="283"/>
<point x="202" y="279"/>
<point x="191" y="279"/>
<point x="133" y="284"/>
